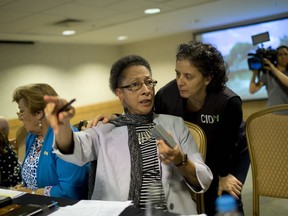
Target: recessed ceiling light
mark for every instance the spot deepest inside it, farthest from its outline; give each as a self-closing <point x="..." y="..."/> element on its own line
<point x="121" y="38"/>
<point x="68" y="32"/>
<point x="152" y="11"/>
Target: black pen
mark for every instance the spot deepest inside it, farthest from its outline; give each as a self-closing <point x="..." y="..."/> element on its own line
<point x="66" y="106"/>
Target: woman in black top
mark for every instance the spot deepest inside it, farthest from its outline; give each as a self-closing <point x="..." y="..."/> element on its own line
<point x="199" y="95"/>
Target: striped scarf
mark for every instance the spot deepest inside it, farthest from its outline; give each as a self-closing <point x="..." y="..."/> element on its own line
<point x="131" y="121"/>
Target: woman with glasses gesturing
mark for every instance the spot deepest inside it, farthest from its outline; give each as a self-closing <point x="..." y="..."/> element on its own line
<point x="129" y="159"/>
<point x="42" y="171"/>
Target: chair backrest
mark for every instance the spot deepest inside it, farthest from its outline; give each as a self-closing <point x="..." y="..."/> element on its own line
<point x="267" y="138"/>
<point x="200" y="138"/>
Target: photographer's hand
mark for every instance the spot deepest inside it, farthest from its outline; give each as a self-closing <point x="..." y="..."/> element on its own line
<point x="268" y="65"/>
<point x="279" y="74"/>
<point x="255" y="85"/>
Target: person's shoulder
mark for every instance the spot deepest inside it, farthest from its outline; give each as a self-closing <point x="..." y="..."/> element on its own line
<point x="229" y="92"/>
<point x="168" y="118"/>
<point x="102" y="127"/>
<point x="226" y="94"/>
<point x="232" y="97"/>
<point x="218" y="101"/>
<point x="170" y="86"/>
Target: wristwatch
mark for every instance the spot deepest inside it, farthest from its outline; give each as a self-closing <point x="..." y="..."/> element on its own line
<point x="185" y="158"/>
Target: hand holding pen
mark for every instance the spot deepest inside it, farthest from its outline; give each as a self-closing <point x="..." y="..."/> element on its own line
<point x="58" y="112"/>
<point x="66" y="107"/>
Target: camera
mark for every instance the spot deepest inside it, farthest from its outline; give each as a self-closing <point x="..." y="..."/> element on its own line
<point x="255" y="60"/>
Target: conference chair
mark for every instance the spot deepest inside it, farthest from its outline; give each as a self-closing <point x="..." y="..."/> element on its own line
<point x="200" y="138"/>
<point x="267" y="139"/>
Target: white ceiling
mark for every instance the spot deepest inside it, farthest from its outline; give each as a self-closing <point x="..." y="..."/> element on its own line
<point x="102" y="21"/>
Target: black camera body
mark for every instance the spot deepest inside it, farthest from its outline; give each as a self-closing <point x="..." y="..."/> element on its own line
<point x="255" y="62"/>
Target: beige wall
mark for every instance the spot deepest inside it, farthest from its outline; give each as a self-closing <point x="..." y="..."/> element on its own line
<point x="80" y="71"/>
<point x="75" y="71"/>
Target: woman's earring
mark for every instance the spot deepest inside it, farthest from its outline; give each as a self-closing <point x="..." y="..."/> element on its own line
<point x="40" y="124"/>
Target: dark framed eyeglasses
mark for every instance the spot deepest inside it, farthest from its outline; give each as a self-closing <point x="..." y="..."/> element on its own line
<point x="150" y="84"/>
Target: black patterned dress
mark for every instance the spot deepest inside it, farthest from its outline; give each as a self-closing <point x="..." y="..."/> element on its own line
<point x="9" y="167"/>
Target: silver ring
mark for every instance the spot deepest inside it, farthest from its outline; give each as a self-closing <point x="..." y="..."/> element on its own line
<point x="162" y="156"/>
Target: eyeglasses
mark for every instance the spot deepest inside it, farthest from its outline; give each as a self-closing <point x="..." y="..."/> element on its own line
<point x="20" y="114"/>
<point x="138" y="85"/>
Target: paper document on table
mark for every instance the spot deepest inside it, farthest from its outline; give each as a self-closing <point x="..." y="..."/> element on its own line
<point x="93" y="208"/>
<point x="11" y="193"/>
